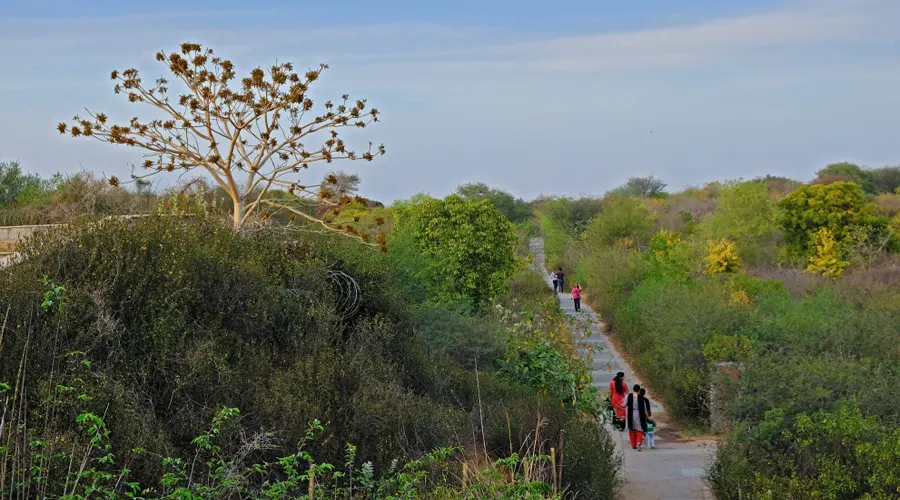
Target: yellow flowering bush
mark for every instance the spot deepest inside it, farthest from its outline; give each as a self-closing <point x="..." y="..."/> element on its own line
<point x="740" y="298"/>
<point x="664" y="241"/>
<point x="722" y="257"/>
<point x="827" y="260"/>
<point x="727" y="348"/>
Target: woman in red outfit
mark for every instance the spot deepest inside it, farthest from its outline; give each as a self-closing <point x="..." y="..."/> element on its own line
<point x="618" y="390"/>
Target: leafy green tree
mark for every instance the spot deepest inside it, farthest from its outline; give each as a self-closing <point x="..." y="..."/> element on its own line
<point x="746" y="215"/>
<point x="467" y="247"/>
<point x="886" y="179"/>
<point x="515" y="209"/>
<point x="16" y="184"/>
<point x="621" y="218"/>
<point x="647" y="187"/>
<point x="838" y="207"/>
<point x="572" y="214"/>
<point x="853" y="172"/>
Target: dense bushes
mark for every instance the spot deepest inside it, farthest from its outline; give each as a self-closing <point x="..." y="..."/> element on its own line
<point x="837" y="454"/>
<point x="177" y="317"/>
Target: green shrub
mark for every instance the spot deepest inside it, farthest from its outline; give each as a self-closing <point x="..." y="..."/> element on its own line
<point x="468" y="248"/>
<point x="746" y="215"/>
<point x="458" y="336"/>
<point x="592" y="464"/>
<point x="611" y="273"/>
<point x="663" y="326"/>
<point x="179" y="316"/>
<point x="621" y="218"/>
<point x="514" y="209"/>
<point x="559" y="245"/>
<point x="840" y="454"/>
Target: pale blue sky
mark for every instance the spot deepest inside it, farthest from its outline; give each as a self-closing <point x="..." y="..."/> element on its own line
<point x="563" y="97"/>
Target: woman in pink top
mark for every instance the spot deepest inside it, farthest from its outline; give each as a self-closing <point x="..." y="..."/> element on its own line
<point x="576" y="296"/>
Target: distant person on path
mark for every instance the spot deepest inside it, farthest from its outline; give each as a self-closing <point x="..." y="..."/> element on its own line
<point x="636" y="410"/>
<point x="561" y="276"/>
<point x="576" y="296"/>
<point x="555" y="279"/>
<point x="618" y="389"/>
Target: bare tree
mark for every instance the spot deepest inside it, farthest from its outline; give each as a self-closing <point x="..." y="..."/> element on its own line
<point x="249" y="138"/>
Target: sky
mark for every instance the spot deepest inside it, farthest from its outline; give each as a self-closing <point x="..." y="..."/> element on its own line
<point x="555" y="98"/>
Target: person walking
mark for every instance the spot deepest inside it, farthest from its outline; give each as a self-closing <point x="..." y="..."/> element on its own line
<point x="643" y="393"/>
<point x="650" y="434"/>
<point x="555" y="278"/>
<point x="636" y="412"/>
<point x="561" y="276"/>
<point x="576" y="296"/>
<point x="618" y="389"/>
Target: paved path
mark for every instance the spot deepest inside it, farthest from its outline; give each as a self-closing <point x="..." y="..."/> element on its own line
<point x="674" y="469"/>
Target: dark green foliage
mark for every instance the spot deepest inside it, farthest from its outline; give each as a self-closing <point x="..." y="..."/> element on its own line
<point x="622" y="218"/>
<point x="514" y="209"/>
<point x="18" y="187"/>
<point x="458" y="336"/>
<point x="591" y="460"/>
<point x="572" y="214"/>
<point x="179" y="316"/>
<point x="851" y="172"/>
<point x="462" y="251"/>
<point x="886" y="179"/>
<point x="838" y="454"/>
<point x="561" y="222"/>
<point x="644" y="187"/>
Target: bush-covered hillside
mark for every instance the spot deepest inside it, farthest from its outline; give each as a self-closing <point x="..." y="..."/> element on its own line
<point x="155" y="325"/>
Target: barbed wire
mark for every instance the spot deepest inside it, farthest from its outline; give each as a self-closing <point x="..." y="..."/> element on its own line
<point x="349" y="299"/>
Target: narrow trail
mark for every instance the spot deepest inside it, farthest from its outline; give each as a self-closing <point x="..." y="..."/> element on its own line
<point x="674" y="469"/>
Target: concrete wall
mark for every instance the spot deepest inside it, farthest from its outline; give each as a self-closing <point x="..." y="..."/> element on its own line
<point x="10" y="235"/>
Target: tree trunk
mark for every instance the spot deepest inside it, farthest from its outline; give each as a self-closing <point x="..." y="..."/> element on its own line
<point x="239" y="208"/>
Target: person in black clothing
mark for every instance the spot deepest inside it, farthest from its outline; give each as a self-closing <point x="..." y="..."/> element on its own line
<point x="643" y="393"/>
<point x="560" y="276"/>
<point x="636" y="415"/>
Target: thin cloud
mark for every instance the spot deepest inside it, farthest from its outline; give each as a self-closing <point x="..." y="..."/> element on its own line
<point x="808" y="24"/>
<point x="428" y="45"/>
